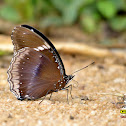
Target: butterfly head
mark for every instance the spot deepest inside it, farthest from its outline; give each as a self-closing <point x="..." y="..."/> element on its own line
<point x="68" y="78"/>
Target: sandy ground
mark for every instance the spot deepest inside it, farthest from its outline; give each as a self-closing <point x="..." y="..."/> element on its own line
<point x="89" y="106"/>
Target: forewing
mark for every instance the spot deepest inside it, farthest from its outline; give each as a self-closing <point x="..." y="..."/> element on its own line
<point x="23" y="37"/>
<point x="27" y="36"/>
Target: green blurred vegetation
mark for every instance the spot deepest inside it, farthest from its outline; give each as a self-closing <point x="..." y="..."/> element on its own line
<point x="89" y="14"/>
<point x="2" y="53"/>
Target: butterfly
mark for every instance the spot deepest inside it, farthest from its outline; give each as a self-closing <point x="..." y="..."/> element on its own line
<point x="36" y="69"/>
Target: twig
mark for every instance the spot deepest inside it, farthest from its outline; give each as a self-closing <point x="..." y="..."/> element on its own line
<point x="69" y="48"/>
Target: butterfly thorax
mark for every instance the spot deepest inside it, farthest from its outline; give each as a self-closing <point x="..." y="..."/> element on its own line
<point x="63" y="82"/>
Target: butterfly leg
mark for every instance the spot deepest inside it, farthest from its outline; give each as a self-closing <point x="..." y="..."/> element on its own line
<point x="50" y="96"/>
<point x="70" y="86"/>
<point x="67" y="94"/>
<point x="45" y="96"/>
<point x="67" y="88"/>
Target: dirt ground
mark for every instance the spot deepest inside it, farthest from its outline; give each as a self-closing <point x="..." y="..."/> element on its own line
<point x="89" y="106"/>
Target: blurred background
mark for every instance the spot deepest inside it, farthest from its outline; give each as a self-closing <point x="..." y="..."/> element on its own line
<point x="100" y="22"/>
<point x="82" y="31"/>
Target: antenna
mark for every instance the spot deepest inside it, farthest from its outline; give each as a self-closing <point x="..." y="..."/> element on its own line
<point x="83" y="68"/>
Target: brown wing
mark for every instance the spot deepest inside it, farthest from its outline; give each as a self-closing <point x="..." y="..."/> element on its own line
<point x="33" y="72"/>
<point x="27" y="36"/>
<point x="23" y="37"/>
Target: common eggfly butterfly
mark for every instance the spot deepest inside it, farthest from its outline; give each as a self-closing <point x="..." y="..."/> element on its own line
<point x="36" y="68"/>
